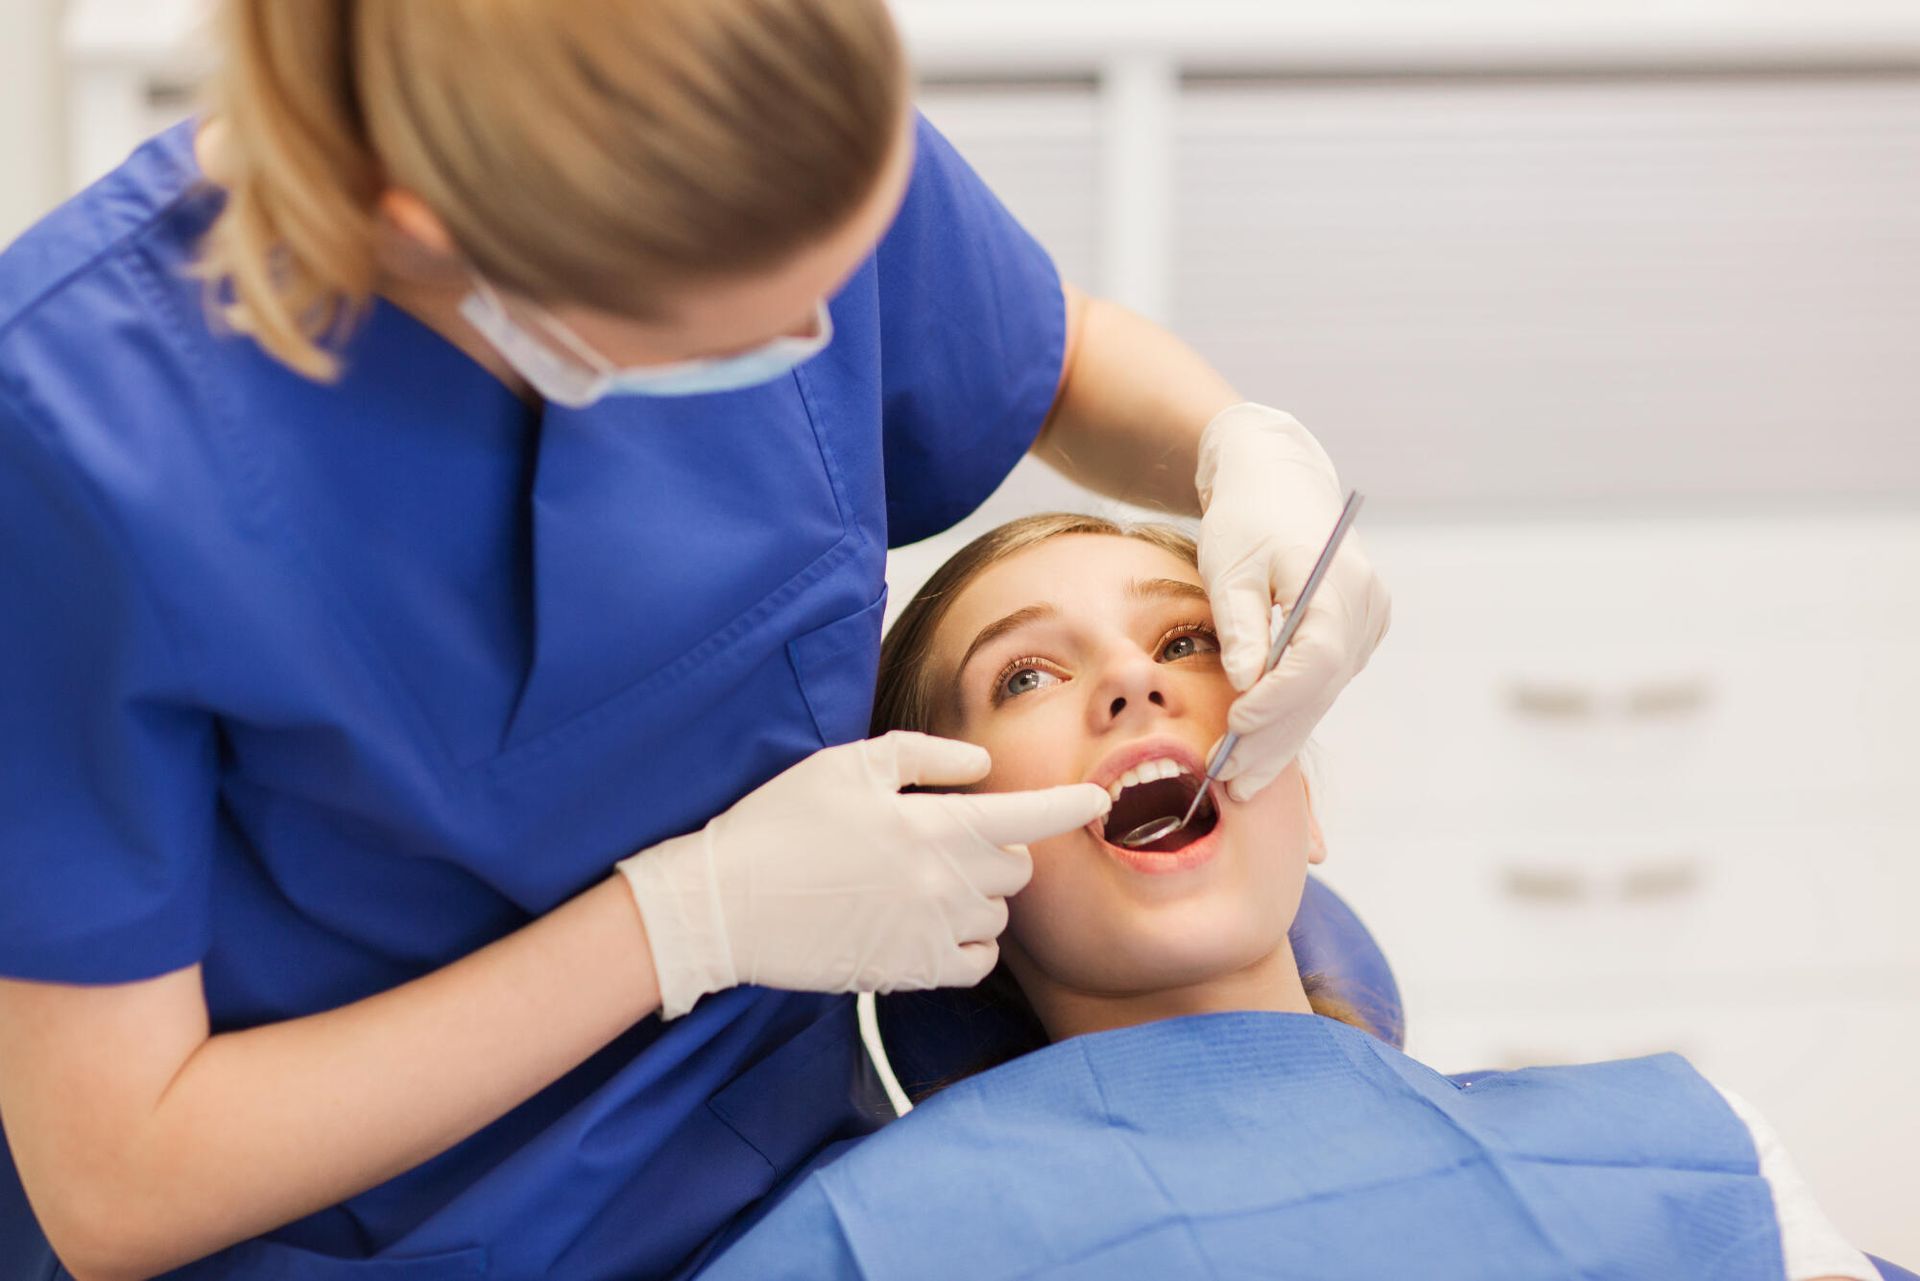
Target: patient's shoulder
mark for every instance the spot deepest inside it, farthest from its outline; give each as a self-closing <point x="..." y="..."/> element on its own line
<point x="1813" y="1248"/>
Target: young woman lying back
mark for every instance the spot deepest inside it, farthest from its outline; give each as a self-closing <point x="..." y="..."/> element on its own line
<point x="1190" y="1107"/>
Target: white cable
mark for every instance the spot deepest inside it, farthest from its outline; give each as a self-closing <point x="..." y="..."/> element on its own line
<point x="869" y="1015"/>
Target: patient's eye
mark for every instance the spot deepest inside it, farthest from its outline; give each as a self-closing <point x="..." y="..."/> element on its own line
<point x="1189" y="642"/>
<point x="1021" y="677"/>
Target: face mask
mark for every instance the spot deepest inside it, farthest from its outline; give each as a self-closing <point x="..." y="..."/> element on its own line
<point x="590" y="376"/>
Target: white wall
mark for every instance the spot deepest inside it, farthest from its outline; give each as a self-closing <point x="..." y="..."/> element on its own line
<point x="32" y="123"/>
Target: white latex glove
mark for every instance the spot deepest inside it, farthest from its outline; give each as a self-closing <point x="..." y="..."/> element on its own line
<point x="1271" y="498"/>
<point x="828" y="879"/>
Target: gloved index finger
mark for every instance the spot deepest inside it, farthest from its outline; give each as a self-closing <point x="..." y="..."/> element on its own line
<point x="1020" y="818"/>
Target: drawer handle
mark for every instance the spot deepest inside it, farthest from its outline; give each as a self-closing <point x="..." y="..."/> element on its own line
<point x="1670" y="698"/>
<point x="1550" y="702"/>
<point x="1677" y="878"/>
<point x="1543" y="700"/>
<point x="1544" y="885"/>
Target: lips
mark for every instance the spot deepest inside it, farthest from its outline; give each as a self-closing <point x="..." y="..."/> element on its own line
<point x="1197" y="853"/>
<point x="1157" y="778"/>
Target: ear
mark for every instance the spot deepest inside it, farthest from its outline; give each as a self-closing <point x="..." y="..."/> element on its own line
<point x="211" y="150"/>
<point x="407" y="214"/>
<point x="1316" y="839"/>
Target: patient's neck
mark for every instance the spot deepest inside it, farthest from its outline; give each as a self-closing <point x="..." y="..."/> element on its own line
<point x="1270" y="983"/>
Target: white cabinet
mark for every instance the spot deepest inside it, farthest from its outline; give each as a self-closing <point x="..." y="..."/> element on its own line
<point x="1613" y="787"/>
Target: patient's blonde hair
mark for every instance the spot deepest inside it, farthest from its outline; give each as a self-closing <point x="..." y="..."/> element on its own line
<point x="596" y="152"/>
<point x="910" y="694"/>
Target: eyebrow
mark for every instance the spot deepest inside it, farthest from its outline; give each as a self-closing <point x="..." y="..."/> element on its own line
<point x="1000" y="627"/>
<point x="1166" y="589"/>
<point x="1137" y="589"/>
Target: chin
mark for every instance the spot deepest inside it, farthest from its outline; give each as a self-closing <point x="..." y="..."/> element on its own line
<point x="1097" y="921"/>
<point x="1161" y="948"/>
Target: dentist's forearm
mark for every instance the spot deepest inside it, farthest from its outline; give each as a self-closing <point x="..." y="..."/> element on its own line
<point x="1133" y="400"/>
<point x="263" y="1126"/>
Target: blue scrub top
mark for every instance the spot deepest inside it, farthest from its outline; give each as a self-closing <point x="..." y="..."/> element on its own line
<point x="324" y="687"/>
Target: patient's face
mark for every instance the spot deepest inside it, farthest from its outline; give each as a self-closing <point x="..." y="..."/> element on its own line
<point x="1110" y="673"/>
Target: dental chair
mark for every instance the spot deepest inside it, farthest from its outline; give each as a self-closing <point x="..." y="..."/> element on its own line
<point x="933" y="1038"/>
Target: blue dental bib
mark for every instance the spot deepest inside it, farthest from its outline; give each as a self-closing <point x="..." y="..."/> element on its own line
<point x="1284" y="1145"/>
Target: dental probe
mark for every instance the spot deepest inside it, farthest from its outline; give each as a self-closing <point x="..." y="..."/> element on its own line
<point x="1149" y="832"/>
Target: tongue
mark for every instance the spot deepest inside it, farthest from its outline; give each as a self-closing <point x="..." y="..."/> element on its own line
<point x="1180" y="839"/>
<point x="1144" y="802"/>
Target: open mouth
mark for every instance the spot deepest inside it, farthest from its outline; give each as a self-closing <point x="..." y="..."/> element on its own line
<point x="1146" y="802"/>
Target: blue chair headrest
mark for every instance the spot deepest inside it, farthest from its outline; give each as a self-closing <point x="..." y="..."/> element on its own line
<point x="1329" y="940"/>
<point x="935" y="1038"/>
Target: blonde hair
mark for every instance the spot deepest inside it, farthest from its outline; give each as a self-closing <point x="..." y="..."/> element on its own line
<point x="909" y="692"/>
<point x="597" y="152"/>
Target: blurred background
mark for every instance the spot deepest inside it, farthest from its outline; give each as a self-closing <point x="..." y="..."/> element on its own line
<point x="1612" y="307"/>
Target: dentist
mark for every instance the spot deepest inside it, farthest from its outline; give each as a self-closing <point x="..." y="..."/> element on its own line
<point x="444" y="497"/>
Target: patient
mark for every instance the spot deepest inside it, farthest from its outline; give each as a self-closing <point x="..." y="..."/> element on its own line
<point x="1193" y="1107"/>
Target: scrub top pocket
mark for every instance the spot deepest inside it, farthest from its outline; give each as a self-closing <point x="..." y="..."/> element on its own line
<point x="646" y="554"/>
<point x="834" y="665"/>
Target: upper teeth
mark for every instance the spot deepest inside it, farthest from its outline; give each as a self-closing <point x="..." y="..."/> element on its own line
<point x="1146" y="772"/>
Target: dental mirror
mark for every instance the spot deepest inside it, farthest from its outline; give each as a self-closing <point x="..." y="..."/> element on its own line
<point x="1157" y="829"/>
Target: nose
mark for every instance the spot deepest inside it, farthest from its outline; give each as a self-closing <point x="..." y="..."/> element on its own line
<point x="1132" y="689"/>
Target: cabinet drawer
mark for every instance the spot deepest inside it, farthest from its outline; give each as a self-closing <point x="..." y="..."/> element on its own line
<point x="1684" y="730"/>
<point x="1572" y="673"/>
<point x="1780" y="578"/>
<point x="1527" y="913"/>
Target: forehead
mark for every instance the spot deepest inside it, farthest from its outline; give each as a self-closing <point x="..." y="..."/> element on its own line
<point x="1080" y="575"/>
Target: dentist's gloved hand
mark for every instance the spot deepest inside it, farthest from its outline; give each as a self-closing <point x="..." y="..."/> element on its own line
<point x="1271" y="498"/>
<point x="828" y="879"/>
